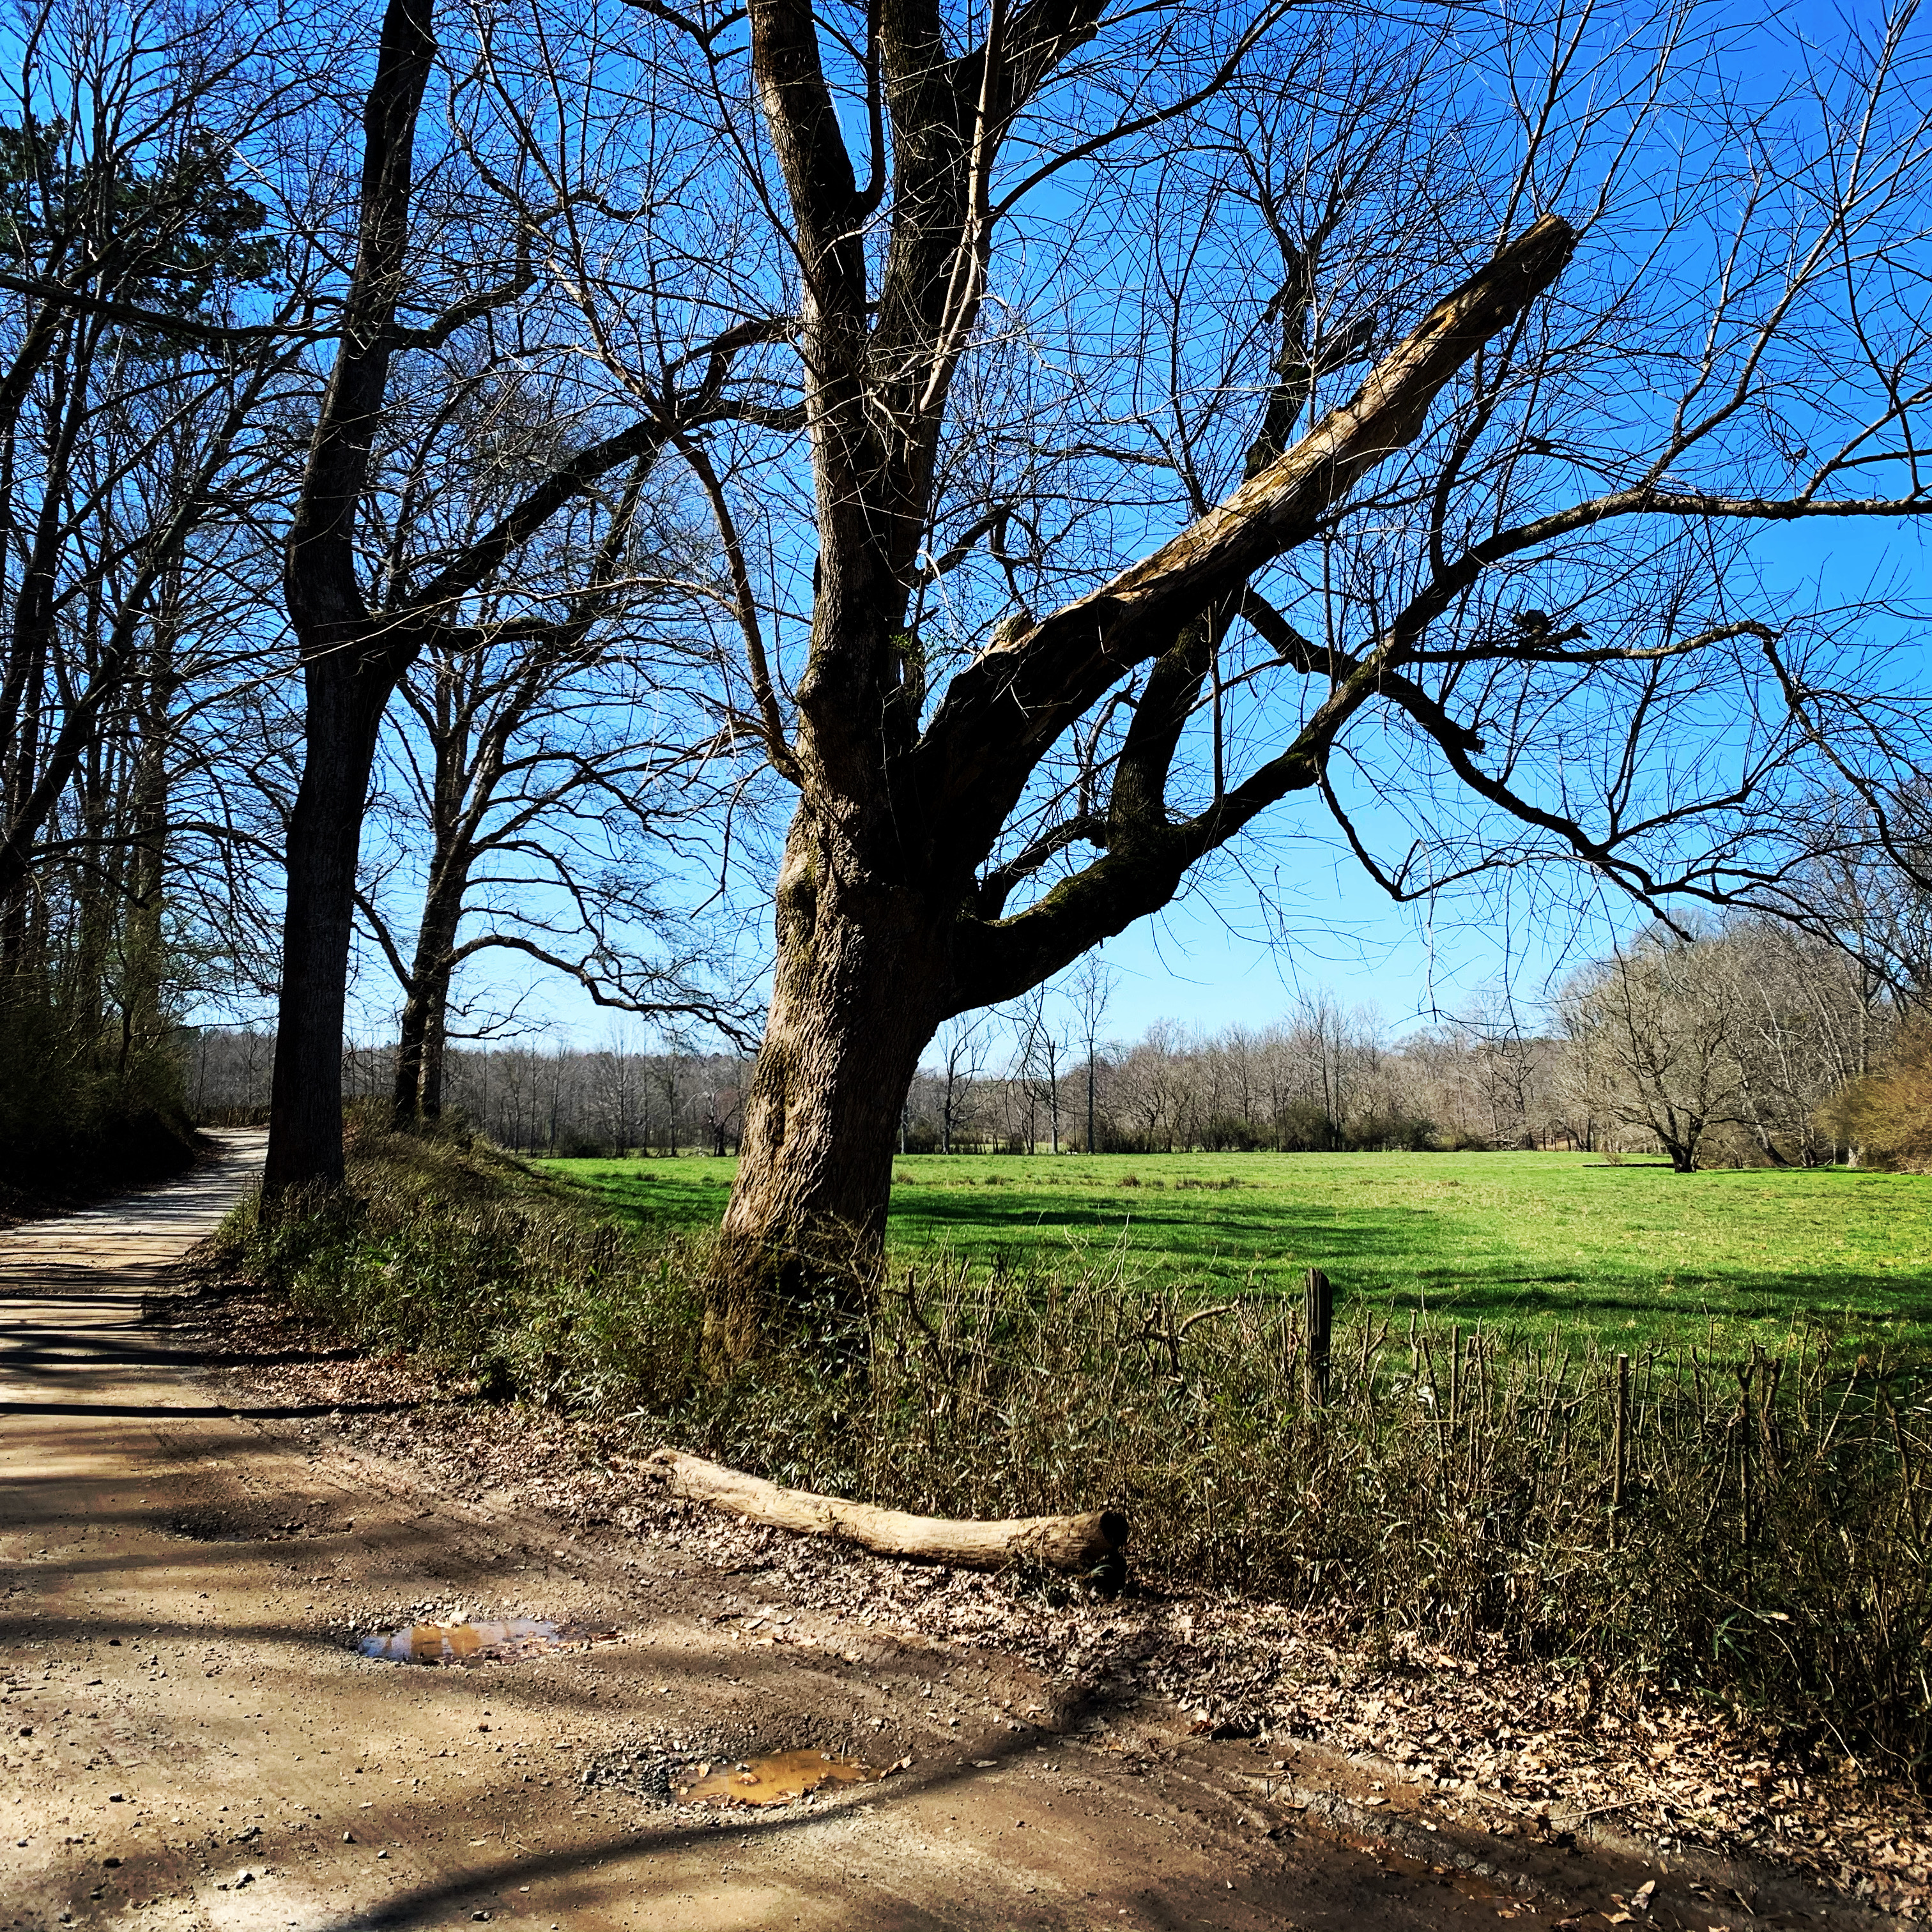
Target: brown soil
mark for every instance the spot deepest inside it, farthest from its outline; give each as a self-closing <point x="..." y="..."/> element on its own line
<point x="190" y="1740"/>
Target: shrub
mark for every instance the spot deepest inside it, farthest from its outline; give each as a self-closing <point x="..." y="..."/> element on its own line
<point x="80" y="1110"/>
<point x="442" y="1245"/>
<point x="1887" y="1114"/>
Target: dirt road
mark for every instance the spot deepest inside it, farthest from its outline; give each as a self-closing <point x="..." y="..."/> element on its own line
<point x="190" y="1740"/>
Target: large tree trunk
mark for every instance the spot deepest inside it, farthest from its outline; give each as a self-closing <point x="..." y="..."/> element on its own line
<point x="861" y="983"/>
<point x="346" y="703"/>
<point x="351" y="660"/>
<point x="145" y="946"/>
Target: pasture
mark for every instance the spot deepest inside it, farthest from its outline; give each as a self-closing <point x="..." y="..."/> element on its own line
<point x="1633" y="1253"/>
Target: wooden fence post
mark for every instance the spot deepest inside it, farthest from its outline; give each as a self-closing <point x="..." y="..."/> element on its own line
<point x="1619" y="1439"/>
<point x="1318" y="1316"/>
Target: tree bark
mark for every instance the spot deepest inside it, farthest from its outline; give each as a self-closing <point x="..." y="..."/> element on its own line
<point x="351" y="658"/>
<point x="345" y="712"/>
<point x="861" y="982"/>
<point x="146" y="942"/>
<point x="419" y="1045"/>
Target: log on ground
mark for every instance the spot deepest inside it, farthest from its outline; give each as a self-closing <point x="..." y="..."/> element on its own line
<point x="1093" y="1545"/>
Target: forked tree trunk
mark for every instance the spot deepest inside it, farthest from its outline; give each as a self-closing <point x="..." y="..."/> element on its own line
<point x="436" y="1039"/>
<point x="860" y="987"/>
<point x="419" y="1044"/>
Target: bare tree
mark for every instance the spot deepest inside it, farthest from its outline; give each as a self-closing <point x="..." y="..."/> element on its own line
<point x="467" y="261"/>
<point x="1039" y="1051"/>
<point x="1658" y="1022"/>
<point x="1090" y="989"/>
<point x="1442" y="505"/>
<point x="962" y="1059"/>
<point x="552" y="764"/>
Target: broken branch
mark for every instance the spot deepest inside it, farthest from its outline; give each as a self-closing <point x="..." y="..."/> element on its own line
<point x="1093" y="1545"/>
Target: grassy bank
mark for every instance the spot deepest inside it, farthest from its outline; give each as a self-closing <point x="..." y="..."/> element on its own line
<point x="1461" y="1481"/>
<point x="1635" y="1254"/>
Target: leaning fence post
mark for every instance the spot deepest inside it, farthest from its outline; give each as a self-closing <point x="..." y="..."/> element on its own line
<point x="1619" y="1437"/>
<point x="1318" y="1312"/>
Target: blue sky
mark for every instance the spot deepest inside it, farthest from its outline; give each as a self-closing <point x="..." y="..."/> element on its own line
<point x="1219" y="957"/>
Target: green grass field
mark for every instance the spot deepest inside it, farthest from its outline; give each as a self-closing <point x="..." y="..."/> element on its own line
<point x="1633" y="1252"/>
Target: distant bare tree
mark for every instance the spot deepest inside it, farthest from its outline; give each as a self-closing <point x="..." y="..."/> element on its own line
<point x="1090" y="989"/>
<point x="962" y="1046"/>
<point x="1655" y="1024"/>
<point x="552" y="766"/>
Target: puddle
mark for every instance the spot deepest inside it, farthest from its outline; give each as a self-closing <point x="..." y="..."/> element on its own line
<point x="778" y="1779"/>
<point x="510" y="1641"/>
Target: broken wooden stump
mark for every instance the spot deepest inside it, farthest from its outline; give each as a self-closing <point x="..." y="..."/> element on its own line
<point x="1093" y="1546"/>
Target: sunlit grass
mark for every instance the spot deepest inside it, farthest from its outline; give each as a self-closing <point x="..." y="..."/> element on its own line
<point x="1519" y="1240"/>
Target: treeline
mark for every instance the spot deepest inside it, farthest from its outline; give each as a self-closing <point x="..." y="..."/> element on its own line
<point x="1743" y="1046"/>
<point x="1321" y="1078"/>
<point x="178" y="206"/>
<point x="530" y="1099"/>
<point x="1750" y="1044"/>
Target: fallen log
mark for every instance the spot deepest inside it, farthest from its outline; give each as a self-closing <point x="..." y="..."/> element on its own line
<point x="1093" y="1546"/>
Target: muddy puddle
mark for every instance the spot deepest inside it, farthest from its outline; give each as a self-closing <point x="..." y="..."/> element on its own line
<point x="780" y="1778"/>
<point x="512" y="1641"/>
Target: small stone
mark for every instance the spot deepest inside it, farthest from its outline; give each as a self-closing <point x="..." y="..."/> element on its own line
<point x="117" y="1798"/>
<point x="348" y="1838"/>
<point x="382" y="1855"/>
